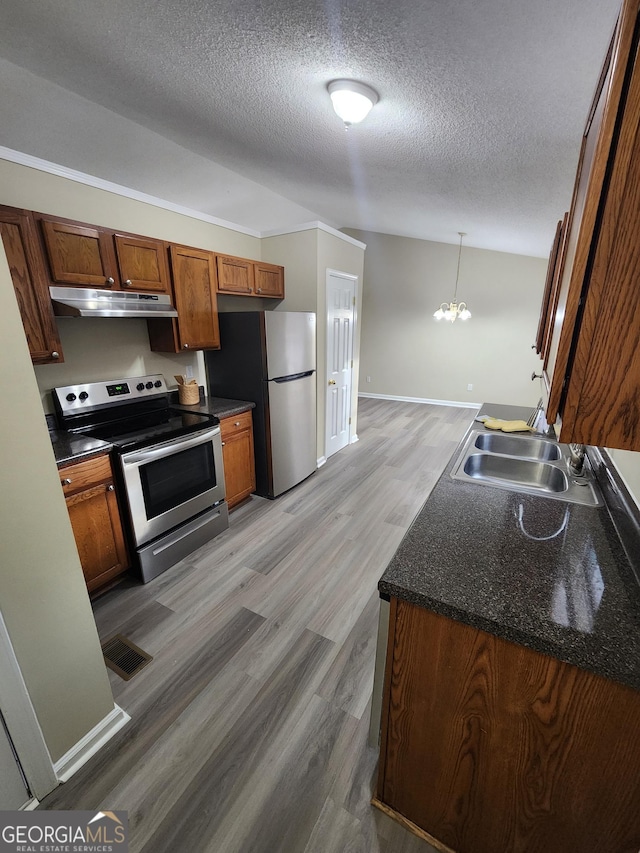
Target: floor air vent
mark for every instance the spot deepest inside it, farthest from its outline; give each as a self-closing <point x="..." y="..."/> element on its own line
<point x="124" y="657"/>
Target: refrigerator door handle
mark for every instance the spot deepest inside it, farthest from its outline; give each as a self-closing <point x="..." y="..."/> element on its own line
<point x="293" y="377"/>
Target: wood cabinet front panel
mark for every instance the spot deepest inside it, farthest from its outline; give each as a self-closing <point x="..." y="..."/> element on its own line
<point x="238" y="457"/>
<point x="269" y="280"/>
<point x="84" y="474"/>
<point x="235" y="275"/>
<point x="488" y="746"/>
<point x="98" y="533"/>
<point x="95" y="518"/>
<point x="142" y="263"/>
<point x="194" y="285"/>
<point x="30" y="283"/>
<point x="79" y="255"/>
<point x="602" y="404"/>
<point x="547" y="295"/>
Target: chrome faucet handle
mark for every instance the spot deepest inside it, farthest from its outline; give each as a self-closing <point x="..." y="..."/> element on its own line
<point x="576" y="458"/>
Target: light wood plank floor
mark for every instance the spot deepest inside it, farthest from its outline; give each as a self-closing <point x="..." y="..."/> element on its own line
<point x="249" y="728"/>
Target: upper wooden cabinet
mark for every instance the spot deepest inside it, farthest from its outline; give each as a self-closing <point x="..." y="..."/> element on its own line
<point x="269" y="280"/>
<point x="235" y="275"/>
<point x="30" y="283"/>
<point x="243" y="277"/>
<point x="547" y="297"/>
<point x="91" y="256"/>
<point x="593" y="364"/>
<point x="194" y="290"/>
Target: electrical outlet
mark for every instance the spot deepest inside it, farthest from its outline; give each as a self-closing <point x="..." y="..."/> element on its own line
<point x="368" y="379"/>
<point x="470" y="386"/>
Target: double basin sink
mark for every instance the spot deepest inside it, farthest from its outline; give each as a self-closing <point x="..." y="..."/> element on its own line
<point x="518" y="463"/>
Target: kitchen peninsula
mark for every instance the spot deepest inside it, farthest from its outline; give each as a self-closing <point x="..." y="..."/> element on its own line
<point x="512" y="684"/>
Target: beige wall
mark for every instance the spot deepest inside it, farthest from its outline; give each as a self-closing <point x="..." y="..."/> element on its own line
<point x="408" y="353"/>
<point x="628" y="464"/>
<point x="42" y="591"/>
<point x="307" y="255"/>
<point x="95" y="350"/>
<point x="298" y="252"/>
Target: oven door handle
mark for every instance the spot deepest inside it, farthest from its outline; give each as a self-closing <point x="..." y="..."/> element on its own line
<point x="169" y="448"/>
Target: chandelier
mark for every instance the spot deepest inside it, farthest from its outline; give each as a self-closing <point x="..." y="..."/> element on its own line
<point x="452" y="310"/>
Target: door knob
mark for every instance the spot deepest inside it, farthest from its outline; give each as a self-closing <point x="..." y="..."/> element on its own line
<point x="332" y="382"/>
<point x="535" y="375"/>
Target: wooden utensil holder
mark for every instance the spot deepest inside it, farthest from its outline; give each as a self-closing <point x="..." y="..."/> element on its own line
<point x="188" y="395"/>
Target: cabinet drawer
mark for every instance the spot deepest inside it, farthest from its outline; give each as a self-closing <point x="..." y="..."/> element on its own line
<point x="235" y="423"/>
<point x="83" y="475"/>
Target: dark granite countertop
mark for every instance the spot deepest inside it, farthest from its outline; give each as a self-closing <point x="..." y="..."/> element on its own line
<point x="547" y="574"/>
<point x="218" y="406"/>
<point x="68" y="448"/>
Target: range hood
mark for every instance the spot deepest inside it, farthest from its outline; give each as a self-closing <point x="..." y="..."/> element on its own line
<point x="87" y="302"/>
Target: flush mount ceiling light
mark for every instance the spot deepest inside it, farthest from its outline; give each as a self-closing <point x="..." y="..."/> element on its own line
<point x="352" y="100"/>
<point x="452" y="310"/>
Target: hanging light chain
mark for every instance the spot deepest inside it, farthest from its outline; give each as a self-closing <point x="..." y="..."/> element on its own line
<point x="451" y="311"/>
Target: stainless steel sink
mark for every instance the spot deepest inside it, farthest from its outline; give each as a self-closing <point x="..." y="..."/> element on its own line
<point x="520" y="472"/>
<point x="524" y="464"/>
<point x="520" y="446"/>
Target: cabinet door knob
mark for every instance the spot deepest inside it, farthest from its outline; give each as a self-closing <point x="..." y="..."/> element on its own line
<point x="185" y="346"/>
<point x="111" y="281"/>
<point x="259" y="290"/>
<point x="237" y="423"/>
<point x="223" y="443"/>
<point x="127" y="283"/>
<point x="55" y="354"/>
<point x="332" y="382"/>
<point x="66" y="481"/>
<point x="110" y="487"/>
<point x="535" y="375"/>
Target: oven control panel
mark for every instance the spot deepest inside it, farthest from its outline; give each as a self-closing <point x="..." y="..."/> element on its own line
<point x="118" y="390"/>
<point x="73" y="399"/>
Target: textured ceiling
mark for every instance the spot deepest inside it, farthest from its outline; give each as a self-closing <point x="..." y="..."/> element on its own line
<point x="482" y="104"/>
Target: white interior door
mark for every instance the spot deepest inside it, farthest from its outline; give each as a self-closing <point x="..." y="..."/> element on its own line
<point x="13" y="791"/>
<point x="341" y="289"/>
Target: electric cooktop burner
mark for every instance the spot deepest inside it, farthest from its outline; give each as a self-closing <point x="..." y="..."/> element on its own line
<point x="130" y="414"/>
<point x="142" y="431"/>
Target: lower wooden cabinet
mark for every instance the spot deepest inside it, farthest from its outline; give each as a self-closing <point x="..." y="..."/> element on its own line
<point x="489" y="746"/>
<point x="93" y="509"/>
<point x="238" y="457"/>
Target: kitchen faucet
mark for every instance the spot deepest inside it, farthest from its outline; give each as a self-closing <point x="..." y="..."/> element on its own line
<point x="575" y="460"/>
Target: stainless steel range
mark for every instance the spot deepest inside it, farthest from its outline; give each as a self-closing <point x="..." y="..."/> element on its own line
<point x="169" y="463"/>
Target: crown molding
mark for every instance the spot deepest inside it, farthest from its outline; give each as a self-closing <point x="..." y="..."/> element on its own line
<point x="50" y="168"/>
<point x="319" y="226"/>
<point x="99" y="183"/>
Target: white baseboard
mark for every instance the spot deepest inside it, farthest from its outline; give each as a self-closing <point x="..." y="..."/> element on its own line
<point x="93" y="741"/>
<point x="457" y="403"/>
<point x="320" y="462"/>
<point x="354" y="438"/>
<point x="31" y="805"/>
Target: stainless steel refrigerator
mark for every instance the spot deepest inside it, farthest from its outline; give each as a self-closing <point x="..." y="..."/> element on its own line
<point x="269" y="358"/>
